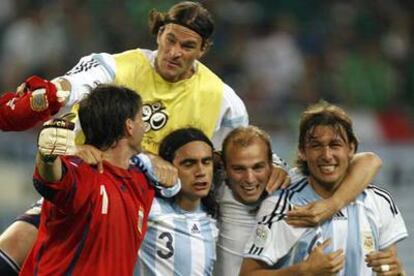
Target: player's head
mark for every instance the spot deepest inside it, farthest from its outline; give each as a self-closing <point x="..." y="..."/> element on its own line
<point x="191" y="152"/>
<point x="110" y="113"/>
<point x="327" y="143"/>
<point x="183" y="35"/>
<point x="247" y="158"/>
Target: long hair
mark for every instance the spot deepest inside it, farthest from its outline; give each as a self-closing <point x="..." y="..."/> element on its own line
<point x="102" y="114"/>
<point x="188" y="14"/>
<point x="324" y="114"/>
<point x="178" y="138"/>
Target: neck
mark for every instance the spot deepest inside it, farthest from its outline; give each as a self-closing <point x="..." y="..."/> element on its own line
<point x="325" y="190"/>
<point x="187" y="204"/>
<point x="119" y="154"/>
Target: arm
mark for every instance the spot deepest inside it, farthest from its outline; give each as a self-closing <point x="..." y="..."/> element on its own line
<point x="318" y="263"/>
<point x="364" y="167"/>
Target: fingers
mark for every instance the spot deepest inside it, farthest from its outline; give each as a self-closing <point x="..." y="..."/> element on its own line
<point x="277" y="179"/>
<point x="91" y="155"/>
<point x="164" y="171"/>
<point x="20" y="89"/>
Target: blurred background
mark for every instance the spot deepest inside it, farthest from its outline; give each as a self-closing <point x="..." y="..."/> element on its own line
<point x="278" y="55"/>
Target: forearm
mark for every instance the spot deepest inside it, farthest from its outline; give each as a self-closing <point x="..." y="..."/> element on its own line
<point x="252" y="267"/>
<point x="363" y="168"/>
<point x="49" y="171"/>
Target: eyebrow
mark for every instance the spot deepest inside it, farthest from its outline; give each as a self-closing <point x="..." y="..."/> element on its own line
<point x="194" y="160"/>
<point x="188" y="42"/>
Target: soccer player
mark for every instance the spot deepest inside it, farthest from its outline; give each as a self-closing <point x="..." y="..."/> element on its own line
<point x="176" y="88"/>
<point x="247" y="157"/>
<point x="93" y="223"/>
<point x="181" y="237"/>
<point x="369" y="227"/>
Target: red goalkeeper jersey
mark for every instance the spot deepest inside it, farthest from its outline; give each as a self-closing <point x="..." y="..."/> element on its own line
<point x="91" y="223"/>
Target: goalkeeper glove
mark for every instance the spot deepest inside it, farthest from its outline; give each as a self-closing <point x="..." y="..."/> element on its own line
<point x="57" y="137"/>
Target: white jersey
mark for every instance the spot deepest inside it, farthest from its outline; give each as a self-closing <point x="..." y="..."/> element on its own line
<point x="236" y="222"/>
<point x="100" y="68"/>
<point x="371" y="223"/>
<point x="177" y="242"/>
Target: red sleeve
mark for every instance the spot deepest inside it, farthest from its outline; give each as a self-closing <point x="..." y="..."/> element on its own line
<point x="36" y="105"/>
<point x="71" y="192"/>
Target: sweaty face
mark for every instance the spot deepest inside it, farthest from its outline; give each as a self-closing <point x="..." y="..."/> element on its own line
<point x="248" y="169"/>
<point x="178" y="47"/>
<point x="194" y="162"/>
<point x="328" y="156"/>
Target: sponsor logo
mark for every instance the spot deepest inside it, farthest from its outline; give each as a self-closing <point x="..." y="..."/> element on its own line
<point x="155" y="116"/>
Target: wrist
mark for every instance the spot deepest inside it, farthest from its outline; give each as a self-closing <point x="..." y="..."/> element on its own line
<point x="47" y="158"/>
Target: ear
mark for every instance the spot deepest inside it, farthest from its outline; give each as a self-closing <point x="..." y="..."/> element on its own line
<point x="129" y="127"/>
<point x="352" y="150"/>
<point x="301" y="155"/>
<point x="160" y="31"/>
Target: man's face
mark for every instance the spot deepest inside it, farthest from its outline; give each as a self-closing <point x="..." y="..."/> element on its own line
<point x="248" y="170"/>
<point x="178" y="47"/>
<point x="328" y="156"/>
<point x="194" y="162"/>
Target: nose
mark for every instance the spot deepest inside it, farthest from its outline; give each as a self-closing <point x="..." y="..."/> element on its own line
<point x="249" y="177"/>
<point x="176" y="50"/>
<point x="200" y="170"/>
<point x="327" y="153"/>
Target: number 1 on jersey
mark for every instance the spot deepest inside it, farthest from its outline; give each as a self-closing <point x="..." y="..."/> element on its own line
<point x="105" y="201"/>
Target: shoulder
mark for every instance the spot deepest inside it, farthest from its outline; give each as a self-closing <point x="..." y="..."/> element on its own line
<point x="380" y="197"/>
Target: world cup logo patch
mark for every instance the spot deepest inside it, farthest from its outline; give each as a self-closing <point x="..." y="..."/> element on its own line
<point x="155" y="116"/>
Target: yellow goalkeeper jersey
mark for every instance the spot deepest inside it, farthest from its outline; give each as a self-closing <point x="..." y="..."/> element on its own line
<point x="193" y="102"/>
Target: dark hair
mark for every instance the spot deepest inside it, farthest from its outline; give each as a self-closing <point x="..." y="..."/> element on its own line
<point x="178" y="138"/>
<point x="102" y="114"/>
<point x="324" y="114"/>
<point x="245" y="136"/>
<point x="189" y="14"/>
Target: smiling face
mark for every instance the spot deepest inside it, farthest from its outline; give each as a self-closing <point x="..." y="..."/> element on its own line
<point x="248" y="169"/>
<point x="194" y="162"/>
<point x="327" y="153"/>
<point x="178" y="48"/>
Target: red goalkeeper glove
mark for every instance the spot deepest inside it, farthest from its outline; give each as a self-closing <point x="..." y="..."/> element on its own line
<point x="40" y="101"/>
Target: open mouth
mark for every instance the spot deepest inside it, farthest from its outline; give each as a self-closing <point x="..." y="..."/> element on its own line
<point x="250" y="188"/>
<point x="200" y="186"/>
<point x="327" y="168"/>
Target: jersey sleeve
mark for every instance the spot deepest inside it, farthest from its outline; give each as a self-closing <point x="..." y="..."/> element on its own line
<point x="88" y="73"/>
<point x="391" y="223"/>
<point x="70" y="193"/>
<point x="233" y="114"/>
<point x="272" y="238"/>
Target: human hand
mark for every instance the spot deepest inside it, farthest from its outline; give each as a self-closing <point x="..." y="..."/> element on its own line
<point x="312" y="214"/>
<point x="278" y="178"/>
<point x="384" y="263"/>
<point x="319" y="263"/>
<point x="91" y="155"/>
<point x="57" y="137"/>
<point x="164" y="171"/>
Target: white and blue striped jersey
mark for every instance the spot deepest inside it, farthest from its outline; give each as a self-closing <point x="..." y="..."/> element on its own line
<point x="177" y="242"/>
<point x="371" y="223"/>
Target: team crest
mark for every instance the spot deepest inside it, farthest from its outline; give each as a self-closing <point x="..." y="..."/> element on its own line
<point x="262" y="234"/>
<point x="155" y="116"/>
<point x="38" y="100"/>
<point x="368" y="243"/>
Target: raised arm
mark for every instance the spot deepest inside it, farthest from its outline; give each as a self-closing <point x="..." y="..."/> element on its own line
<point x="363" y="169"/>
